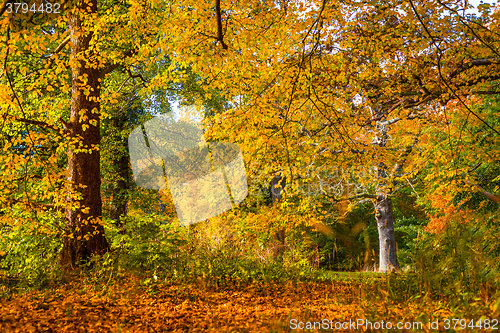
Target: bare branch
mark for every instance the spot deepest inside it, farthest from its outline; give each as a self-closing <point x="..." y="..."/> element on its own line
<point x="122" y="85"/>
<point x="62" y="45"/>
<point x="133" y="76"/>
<point x="390" y="121"/>
<point x="489" y="195"/>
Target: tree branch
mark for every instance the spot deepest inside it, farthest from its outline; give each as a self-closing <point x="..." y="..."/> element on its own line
<point x="363" y="195"/>
<point x="26" y="176"/>
<point x="404" y="154"/>
<point x="4" y="7"/>
<point x="475" y="81"/>
<point x="62" y="45"/>
<point x="220" y="36"/>
<point x="133" y="76"/>
<point x="38" y="123"/>
<point x="56" y="50"/>
<point x="448" y="86"/>
<point x="474" y="63"/>
<point x="485" y="92"/>
<point x="31" y="204"/>
<point x="112" y="67"/>
<point x="489" y="195"/>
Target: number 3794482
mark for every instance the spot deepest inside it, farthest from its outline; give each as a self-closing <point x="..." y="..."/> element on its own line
<point x="19" y="7"/>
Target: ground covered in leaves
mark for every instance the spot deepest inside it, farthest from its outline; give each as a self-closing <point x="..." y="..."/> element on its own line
<point x="132" y="304"/>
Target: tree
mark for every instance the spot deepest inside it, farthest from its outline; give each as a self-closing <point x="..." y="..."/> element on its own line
<point x="116" y="172"/>
<point x="84" y="230"/>
<point x="360" y="89"/>
<point x="38" y="84"/>
<point x="462" y="175"/>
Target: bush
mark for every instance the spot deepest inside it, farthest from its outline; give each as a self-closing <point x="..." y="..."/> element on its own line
<point x="407" y="231"/>
<point x="148" y="243"/>
<point x="226" y="248"/>
<point x="30" y="251"/>
<point x="461" y="265"/>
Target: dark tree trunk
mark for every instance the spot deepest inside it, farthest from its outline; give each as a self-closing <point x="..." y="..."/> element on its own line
<point x="120" y="191"/>
<point x="120" y="167"/>
<point x="84" y="231"/>
<point x="277" y="185"/>
<point x="387" y="241"/>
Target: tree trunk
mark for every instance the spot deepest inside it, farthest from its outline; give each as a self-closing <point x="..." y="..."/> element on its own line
<point x="383" y="207"/>
<point x="84" y="232"/>
<point x="120" y="191"/>
<point x="121" y="168"/>
<point x="277" y="185"/>
<point x="387" y="241"/>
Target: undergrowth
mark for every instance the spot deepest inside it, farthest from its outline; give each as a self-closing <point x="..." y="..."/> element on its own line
<point x="457" y="270"/>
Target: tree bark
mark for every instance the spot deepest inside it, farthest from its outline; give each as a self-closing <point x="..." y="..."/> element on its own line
<point x="120" y="167"/>
<point x="387" y="240"/>
<point x="84" y="232"/>
<point x="277" y="185"/>
<point x="120" y="191"/>
<point x="388" y="260"/>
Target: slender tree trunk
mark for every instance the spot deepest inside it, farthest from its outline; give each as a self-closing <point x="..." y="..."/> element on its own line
<point x="120" y="191"/>
<point x="119" y="162"/>
<point x="84" y="231"/>
<point x="277" y="185"/>
<point x="387" y="241"/>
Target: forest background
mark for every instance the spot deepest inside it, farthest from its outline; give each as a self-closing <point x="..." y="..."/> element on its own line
<point x="369" y="130"/>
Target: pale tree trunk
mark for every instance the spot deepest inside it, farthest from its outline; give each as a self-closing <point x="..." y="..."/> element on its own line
<point x="84" y="231"/>
<point x="383" y="204"/>
<point x="387" y="241"/>
<point x="384" y="216"/>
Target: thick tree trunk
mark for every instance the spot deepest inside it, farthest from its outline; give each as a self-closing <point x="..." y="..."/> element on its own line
<point x="383" y="207"/>
<point x="387" y="241"/>
<point x="84" y="231"/>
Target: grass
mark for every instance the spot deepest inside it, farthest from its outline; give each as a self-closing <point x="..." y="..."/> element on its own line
<point x="350" y="276"/>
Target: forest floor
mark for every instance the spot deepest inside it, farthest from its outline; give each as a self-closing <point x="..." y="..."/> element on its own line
<point x="129" y="304"/>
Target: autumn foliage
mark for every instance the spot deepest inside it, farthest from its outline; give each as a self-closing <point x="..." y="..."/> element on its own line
<point x="369" y="132"/>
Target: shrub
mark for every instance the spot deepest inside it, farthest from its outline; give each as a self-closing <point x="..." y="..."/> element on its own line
<point x="30" y="250"/>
